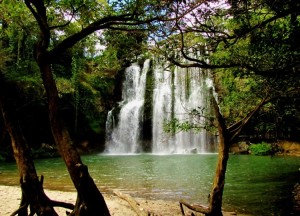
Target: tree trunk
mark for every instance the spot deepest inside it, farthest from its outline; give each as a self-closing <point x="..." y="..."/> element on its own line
<point x="32" y="190"/>
<point x="89" y="200"/>
<point x="216" y="195"/>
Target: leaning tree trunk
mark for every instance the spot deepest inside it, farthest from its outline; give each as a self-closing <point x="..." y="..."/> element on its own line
<point x="216" y="195"/>
<point x="89" y="199"/>
<point x="33" y="195"/>
<point x="226" y="137"/>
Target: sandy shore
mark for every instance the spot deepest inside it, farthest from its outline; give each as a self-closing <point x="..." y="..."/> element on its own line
<point x="10" y="199"/>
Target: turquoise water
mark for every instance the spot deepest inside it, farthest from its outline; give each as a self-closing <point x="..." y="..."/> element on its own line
<point x="254" y="185"/>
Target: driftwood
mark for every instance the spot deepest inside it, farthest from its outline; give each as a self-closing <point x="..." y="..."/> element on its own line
<point x="134" y="204"/>
<point x="197" y="208"/>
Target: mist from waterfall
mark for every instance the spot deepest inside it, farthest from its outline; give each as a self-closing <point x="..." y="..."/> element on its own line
<point x="176" y="94"/>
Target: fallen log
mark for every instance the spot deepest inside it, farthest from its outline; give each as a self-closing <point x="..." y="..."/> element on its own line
<point x="197" y="208"/>
<point x="133" y="203"/>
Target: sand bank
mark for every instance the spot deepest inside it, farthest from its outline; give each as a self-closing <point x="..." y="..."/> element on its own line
<point x="10" y="199"/>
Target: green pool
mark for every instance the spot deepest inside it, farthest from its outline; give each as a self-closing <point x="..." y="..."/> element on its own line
<point x="254" y="185"/>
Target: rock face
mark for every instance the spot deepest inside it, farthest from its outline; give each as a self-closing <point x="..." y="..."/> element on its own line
<point x="289" y="147"/>
<point x="240" y="148"/>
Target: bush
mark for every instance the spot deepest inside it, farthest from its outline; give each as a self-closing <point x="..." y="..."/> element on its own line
<point x="262" y="148"/>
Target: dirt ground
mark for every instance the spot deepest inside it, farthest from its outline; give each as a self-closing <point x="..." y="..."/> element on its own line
<point x="10" y="199"/>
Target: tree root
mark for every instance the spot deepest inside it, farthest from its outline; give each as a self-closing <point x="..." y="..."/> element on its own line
<point x="38" y="202"/>
<point x="90" y="201"/>
<point x="22" y="208"/>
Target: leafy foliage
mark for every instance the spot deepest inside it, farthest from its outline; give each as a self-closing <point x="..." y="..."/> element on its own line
<point x="237" y="95"/>
<point x="251" y="49"/>
<point x="128" y="45"/>
<point x="261" y="149"/>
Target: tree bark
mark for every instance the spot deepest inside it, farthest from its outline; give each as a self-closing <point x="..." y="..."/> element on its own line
<point x="216" y="194"/>
<point x="89" y="200"/>
<point x="215" y="197"/>
<point x="32" y="191"/>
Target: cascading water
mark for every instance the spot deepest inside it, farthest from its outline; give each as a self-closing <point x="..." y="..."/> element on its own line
<point x="175" y="94"/>
<point x="162" y="109"/>
<point x="124" y="137"/>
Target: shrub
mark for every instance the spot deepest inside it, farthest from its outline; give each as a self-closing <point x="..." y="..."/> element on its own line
<point x="262" y="148"/>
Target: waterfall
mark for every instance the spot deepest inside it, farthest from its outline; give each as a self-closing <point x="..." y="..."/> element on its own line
<point x="175" y="93"/>
<point x="124" y="137"/>
<point x="162" y="109"/>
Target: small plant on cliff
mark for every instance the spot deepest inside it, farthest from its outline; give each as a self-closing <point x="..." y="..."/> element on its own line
<point x="262" y="148"/>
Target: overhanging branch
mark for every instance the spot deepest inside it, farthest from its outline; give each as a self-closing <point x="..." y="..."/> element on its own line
<point x="235" y="129"/>
<point x="107" y="22"/>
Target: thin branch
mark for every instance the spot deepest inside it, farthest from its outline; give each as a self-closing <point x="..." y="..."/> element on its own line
<point x="235" y="129"/>
<point x="260" y="25"/>
<point x="74" y="10"/>
<point x="218" y="37"/>
<point x="201" y="64"/>
<point x="127" y="29"/>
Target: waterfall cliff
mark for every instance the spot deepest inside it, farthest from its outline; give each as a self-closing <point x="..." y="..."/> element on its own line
<point x="173" y="94"/>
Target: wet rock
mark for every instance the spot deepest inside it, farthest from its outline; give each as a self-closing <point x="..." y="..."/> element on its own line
<point x="194" y="151"/>
<point x="240" y="148"/>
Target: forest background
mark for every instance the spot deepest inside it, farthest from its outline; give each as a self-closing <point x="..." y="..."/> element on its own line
<point x="48" y="63"/>
<point x="89" y="75"/>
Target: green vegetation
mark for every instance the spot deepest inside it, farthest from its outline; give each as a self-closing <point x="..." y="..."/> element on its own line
<point x="262" y="148"/>
<point x="50" y="61"/>
<point x="253" y="55"/>
<point x="248" y="64"/>
<point x="86" y="76"/>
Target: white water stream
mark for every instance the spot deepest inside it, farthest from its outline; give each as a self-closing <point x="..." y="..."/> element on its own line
<point x="124" y="137"/>
<point x="175" y="95"/>
<point x="190" y="92"/>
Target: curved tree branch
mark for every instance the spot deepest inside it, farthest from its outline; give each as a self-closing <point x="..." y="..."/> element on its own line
<point x="39" y="14"/>
<point x="220" y="36"/>
<point x="235" y="129"/>
<point x="104" y="23"/>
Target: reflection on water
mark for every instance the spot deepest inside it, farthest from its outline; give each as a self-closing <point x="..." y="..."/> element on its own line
<point x="255" y="185"/>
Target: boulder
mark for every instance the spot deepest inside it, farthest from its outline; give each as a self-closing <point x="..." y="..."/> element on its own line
<point x="240" y="148"/>
<point x="289" y="147"/>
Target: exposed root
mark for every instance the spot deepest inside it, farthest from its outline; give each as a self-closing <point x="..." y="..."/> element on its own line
<point x="22" y="208"/>
<point x="38" y="202"/>
<point x="90" y="201"/>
